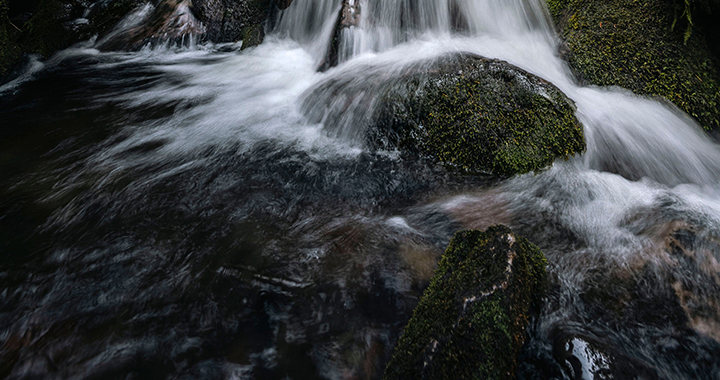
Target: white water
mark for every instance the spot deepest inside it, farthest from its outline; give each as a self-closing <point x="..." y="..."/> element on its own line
<point x="640" y="151"/>
<point x="647" y="164"/>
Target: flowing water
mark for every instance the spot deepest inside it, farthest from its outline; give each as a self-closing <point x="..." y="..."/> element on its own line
<point x="198" y="212"/>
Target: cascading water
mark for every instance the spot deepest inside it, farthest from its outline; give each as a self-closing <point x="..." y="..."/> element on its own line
<point x="207" y="213"/>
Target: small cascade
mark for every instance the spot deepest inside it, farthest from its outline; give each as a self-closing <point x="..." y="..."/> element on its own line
<point x="216" y="213"/>
<point x="339" y="31"/>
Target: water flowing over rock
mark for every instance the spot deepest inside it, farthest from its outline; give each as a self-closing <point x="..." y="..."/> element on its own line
<point x="471" y="321"/>
<point x="635" y="45"/>
<point x="349" y="17"/>
<point x="233" y="21"/>
<point x="470" y="112"/>
<point x="171" y="22"/>
<point x="202" y="212"/>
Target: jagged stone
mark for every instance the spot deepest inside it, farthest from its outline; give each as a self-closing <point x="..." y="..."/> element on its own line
<point x="232" y="21"/>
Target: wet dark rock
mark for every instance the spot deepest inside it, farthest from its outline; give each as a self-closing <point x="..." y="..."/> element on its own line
<point x="232" y="21"/>
<point x="170" y="22"/>
<point x="349" y="16"/>
<point x="471" y="321"/>
<point x="45" y="27"/>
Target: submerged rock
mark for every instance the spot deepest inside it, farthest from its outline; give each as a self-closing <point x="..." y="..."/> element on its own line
<point x="470" y="323"/>
<point x="637" y="45"/>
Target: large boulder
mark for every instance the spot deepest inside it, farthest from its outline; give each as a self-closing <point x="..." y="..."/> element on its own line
<point x="483" y="115"/>
<point x="471" y="113"/>
<point x="640" y="45"/>
<point x="470" y="323"/>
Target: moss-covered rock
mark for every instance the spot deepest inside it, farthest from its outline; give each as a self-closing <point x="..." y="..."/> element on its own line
<point x="470" y="322"/>
<point x="637" y="45"/>
<point x="482" y="115"/>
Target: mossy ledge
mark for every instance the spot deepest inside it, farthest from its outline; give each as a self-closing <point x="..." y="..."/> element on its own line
<point x="636" y="45"/>
<point x="481" y="115"/>
<point x="470" y="322"/>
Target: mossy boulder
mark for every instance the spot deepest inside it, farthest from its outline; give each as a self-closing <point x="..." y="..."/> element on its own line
<point x="640" y="45"/>
<point x="482" y="115"/>
<point x="470" y="322"/>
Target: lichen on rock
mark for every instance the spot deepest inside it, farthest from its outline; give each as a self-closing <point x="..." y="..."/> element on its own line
<point x="471" y="321"/>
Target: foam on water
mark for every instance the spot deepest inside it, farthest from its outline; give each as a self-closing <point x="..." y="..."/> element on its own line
<point x="195" y="129"/>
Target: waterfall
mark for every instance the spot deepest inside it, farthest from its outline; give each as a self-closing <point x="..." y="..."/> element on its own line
<point x="211" y="212"/>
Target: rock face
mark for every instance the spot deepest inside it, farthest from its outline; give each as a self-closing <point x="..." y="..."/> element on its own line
<point x="482" y="115"/>
<point x="470" y="323"/>
<point x="637" y="45"/>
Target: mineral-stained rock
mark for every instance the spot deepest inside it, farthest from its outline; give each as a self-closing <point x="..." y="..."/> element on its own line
<point x="470" y="323"/>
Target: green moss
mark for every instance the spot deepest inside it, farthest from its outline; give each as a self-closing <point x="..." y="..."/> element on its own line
<point x="470" y="322"/>
<point x="633" y="44"/>
<point x="252" y="35"/>
<point x="484" y="115"/>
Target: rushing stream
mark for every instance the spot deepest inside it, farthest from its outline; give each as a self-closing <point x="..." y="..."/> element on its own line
<point x="175" y="213"/>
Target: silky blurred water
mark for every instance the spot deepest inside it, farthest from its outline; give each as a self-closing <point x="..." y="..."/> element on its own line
<point x="197" y="212"/>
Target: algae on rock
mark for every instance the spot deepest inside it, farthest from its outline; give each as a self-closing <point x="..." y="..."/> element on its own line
<point x="470" y="323"/>
<point x="635" y="44"/>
